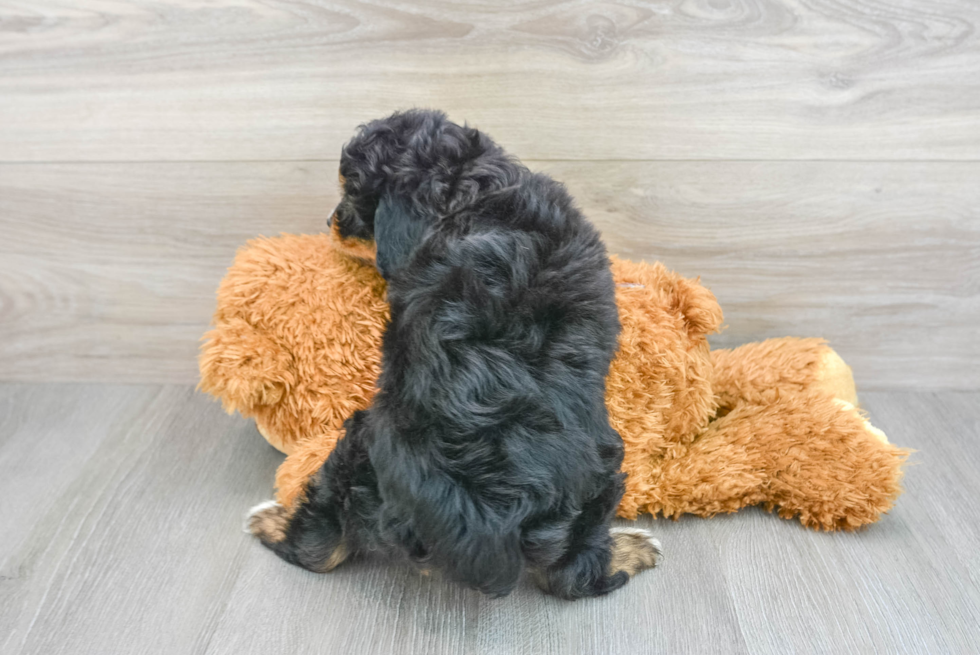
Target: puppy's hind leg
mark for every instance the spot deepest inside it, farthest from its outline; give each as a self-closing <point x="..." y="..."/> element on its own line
<point x="599" y="560"/>
<point x="316" y="532"/>
<point x="633" y="550"/>
<point x="309" y="537"/>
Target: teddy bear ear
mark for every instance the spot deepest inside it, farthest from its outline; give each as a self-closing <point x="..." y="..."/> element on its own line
<point x="699" y="307"/>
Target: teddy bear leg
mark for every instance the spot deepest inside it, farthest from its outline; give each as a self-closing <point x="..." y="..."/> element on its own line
<point x="838" y="471"/>
<point x="759" y="372"/>
<point x="805" y="455"/>
<point x="716" y="474"/>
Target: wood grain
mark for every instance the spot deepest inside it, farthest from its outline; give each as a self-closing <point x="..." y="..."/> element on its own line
<point x="121" y="533"/>
<point x="816" y="162"/>
<point x="881" y="259"/>
<point x="128" y="80"/>
<point x="109" y="557"/>
<point x="108" y="271"/>
<point x="905" y="585"/>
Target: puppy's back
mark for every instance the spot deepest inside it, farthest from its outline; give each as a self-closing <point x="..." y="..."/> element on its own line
<point x="491" y="416"/>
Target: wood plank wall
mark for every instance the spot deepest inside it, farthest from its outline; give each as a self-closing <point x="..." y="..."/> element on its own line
<point x="817" y="163"/>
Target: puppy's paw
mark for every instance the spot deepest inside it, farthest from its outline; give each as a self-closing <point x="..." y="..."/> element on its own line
<point x="634" y="550"/>
<point x="269" y="521"/>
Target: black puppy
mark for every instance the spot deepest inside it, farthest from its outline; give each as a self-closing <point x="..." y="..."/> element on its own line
<point x="487" y="447"/>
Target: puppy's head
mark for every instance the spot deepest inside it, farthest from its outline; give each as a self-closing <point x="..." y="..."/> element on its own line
<point x="384" y="171"/>
<point x="351" y="234"/>
<point x="387" y="238"/>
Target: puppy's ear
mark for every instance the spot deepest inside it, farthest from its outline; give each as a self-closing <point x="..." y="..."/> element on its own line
<point x="398" y="231"/>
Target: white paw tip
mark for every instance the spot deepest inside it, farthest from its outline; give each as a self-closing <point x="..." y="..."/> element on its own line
<point x="255" y="510"/>
<point x="646" y="534"/>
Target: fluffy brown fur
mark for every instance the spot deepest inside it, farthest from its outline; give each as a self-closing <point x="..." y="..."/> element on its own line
<point x="296" y="353"/>
<point x="296" y="342"/>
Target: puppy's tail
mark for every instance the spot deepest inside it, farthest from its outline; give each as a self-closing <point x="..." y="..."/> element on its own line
<point x="473" y="540"/>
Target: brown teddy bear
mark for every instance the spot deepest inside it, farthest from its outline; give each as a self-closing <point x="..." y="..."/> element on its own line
<point x="296" y="345"/>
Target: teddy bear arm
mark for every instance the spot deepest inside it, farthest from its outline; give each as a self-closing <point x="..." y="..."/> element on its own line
<point x="760" y="372"/>
<point x="302" y="463"/>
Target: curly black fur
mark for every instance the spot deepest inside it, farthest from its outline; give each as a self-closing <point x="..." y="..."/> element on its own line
<point x="488" y="447"/>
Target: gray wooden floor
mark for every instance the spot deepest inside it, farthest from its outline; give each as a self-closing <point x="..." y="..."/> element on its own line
<point x="121" y="533"/>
